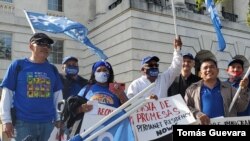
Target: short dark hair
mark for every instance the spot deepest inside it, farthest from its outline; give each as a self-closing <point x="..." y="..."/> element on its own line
<point x="41" y="38"/>
<point x="209" y="60"/>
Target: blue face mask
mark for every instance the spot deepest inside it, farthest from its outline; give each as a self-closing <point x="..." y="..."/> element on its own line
<point x="72" y="70"/>
<point x="152" y="72"/>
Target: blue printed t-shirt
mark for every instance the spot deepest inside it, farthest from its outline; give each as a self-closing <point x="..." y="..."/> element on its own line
<point x="211" y="101"/>
<point x="33" y="89"/>
<point x="102" y="95"/>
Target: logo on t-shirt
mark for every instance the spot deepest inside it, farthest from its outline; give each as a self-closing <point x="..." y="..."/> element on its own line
<point x="103" y="99"/>
<point x="38" y="85"/>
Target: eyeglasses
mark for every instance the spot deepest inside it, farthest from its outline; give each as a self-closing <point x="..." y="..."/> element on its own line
<point x="152" y="65"/>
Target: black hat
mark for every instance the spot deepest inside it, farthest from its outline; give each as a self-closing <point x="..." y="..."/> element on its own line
<point x="65" y="59"/>
<point x="236" y="61"/>
<point x="149" y="58"/>
<point x="188" y="55"/>
<point x="41" y="38"/>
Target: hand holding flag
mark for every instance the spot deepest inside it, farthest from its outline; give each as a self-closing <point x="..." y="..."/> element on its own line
<point x="238" y="91"/>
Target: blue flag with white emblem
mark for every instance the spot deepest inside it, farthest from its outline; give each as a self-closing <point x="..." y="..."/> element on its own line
<point x="64" y="25"/>
<point x="217" y="24"/>
<point x="119" y="132"/>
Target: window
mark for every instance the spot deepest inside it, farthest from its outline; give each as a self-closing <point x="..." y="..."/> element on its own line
<point x="5" y="45"/>
<point x="55" y="5"/>
<point x="10" y="1"/>
<point x="56" y="54"/>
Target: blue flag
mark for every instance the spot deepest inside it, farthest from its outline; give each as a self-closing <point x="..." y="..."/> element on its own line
<point x="217" y="24"/>
<point x="71" y="28"/>
<point x="120" y="132"/>
<point x="77" y="36"/>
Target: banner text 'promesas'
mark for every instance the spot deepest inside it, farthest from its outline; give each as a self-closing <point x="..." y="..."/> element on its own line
<point x="150" y="113"/>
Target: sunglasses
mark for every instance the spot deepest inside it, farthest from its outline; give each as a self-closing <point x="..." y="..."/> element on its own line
<point x="152" y="65"/>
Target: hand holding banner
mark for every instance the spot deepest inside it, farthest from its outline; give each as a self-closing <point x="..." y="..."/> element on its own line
<point x="155" y="119"/>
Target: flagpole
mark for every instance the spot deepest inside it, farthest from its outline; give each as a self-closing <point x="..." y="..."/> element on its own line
<point x="238" y="91"/>
<point x="28" y="19"/>
<point x="118" y="110"/>
<point x="174" y="18"/>
<point x="117" y="120"/>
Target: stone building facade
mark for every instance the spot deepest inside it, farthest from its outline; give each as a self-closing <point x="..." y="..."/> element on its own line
<point x="127" y="31"/>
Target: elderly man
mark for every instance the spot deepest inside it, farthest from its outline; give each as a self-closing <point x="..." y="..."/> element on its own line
<point x="186" y="78"/>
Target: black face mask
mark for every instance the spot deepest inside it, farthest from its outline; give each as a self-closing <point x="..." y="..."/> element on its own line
<point x="152" y="72"/>
<point x="71" y="70"/>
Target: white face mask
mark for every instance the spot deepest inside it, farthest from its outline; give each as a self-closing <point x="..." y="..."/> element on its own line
<point x="101" y="77"/>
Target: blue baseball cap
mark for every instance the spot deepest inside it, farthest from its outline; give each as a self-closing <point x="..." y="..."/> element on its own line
<point x="188" y="55"/>
<point x="149" y="58"/>
<point x="65" y="59"/>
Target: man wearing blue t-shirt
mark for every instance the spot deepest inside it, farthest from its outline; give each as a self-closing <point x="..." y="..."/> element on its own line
<point x="210" y="97"/>
<point x="32" y="87"/>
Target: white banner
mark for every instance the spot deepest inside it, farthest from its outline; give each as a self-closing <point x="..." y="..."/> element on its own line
<point x="231" y="121"/>
<point x="155" y="119"/>
<point x="99" y="111"/>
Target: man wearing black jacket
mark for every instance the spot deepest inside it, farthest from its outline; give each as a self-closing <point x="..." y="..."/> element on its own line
<point x="72" y="82"/>
<point x="186" y="78"/>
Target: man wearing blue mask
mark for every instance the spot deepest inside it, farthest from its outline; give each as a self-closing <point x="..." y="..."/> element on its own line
<point x="72" y="82"/>
<point x="150" y="74"/>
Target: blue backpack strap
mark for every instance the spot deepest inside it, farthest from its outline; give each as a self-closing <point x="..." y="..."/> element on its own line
<point x="19" y="63"/>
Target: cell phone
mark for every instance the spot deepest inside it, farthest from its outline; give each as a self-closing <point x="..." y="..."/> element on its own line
<point x="112" y="86"/>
